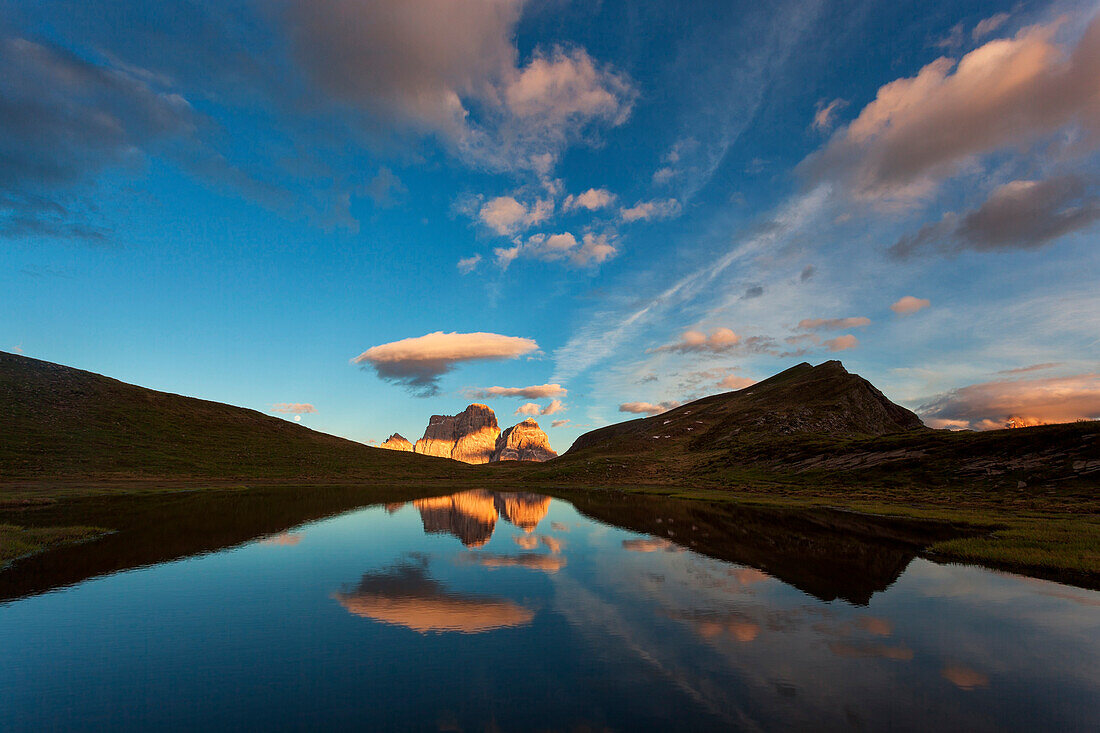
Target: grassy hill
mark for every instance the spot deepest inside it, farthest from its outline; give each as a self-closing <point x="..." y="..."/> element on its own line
<point x="64" y="423"/>
<point x="824" y="430"/>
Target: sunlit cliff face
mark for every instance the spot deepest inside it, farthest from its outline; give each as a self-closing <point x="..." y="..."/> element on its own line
<point x="406" y="596"/>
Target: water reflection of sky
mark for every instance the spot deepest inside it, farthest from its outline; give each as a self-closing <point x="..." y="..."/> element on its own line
<point x="514" y="611"/>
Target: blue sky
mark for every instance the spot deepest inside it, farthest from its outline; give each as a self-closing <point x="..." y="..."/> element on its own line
<point x="640" y="203"/>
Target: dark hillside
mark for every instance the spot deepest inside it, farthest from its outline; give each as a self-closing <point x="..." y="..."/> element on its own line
<point x="63" y="422"/>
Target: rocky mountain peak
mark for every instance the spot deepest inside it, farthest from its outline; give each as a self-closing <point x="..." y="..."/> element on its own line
<point x="396" y="442"/>
<point x="523" y="442"/>
<point x="470" y="436"/>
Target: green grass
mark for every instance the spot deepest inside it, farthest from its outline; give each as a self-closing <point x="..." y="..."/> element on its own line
<point x="16" y="542"/>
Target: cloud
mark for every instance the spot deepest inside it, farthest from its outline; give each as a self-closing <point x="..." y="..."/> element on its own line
<point x="655" y="209"/>
<point x="63" y="120"/>
<point x="648" y="408"/>
<point x="468" y="264"/>
<point x="553" y="408"/>
<point x="295" y="408"/>
<point x="807" y="272"/>
<point x="593" y="249"/>
<point x="452" y="69"/>
<point x="719" y="340"/>
<point x="531" y="408"/>
<point x="1008" y="92"/>
<point x="534" y="392"/>
<point x="384" y="188"/>
<point x="593" y="199"/>
<point x="734" y="382"/>
<point x="909" y="304"/>
<point x="825" y="114"/>
<point x="1016" y="403"/>
<point x="989" y="25"/>
<point x="559" y="423"/>
<point x="832" y="324"/>
<point x="418" y="363"/>
<point x="505" y="215"/>
<point x="842" y="343"/>
<point x="753" y="291"/>
<point x="1017" y="215"/>
<point x="962" y="677"/>
<point x="1032" y="368"/>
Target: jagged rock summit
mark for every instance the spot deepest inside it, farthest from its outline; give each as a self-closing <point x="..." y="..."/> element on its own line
<point x="396" y="442"/>
<point x="825" y="399"/>
<point x="473" y="436"/>
<point x="523" y="442"/>
<point x="470" y="436"/>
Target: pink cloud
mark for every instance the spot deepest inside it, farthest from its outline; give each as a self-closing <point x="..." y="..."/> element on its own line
<point x="735" y="382"/>
<point x="832" y="324"/>
<point x="593" y="199"/>
<point x="559" y="423"/>
<point x="909" y="304"/>
<point x="528" y="408"/>
<point x="646" y="210"/>
<point x="417" y="363"/>
<point x="842" y="343"/>
<point x="1016" y="403"/>
<point x="1008" y="92"/>
<point x="294" y="408"/>
<point x="534" y="392"/>
<point x="648" y="408"/>
<point x="719" y="340"/>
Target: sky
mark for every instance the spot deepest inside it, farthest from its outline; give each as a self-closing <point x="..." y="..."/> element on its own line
<point x="357" y="213"/>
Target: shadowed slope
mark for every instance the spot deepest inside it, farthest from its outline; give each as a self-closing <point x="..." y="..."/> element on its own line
<point x="64" y="422"/>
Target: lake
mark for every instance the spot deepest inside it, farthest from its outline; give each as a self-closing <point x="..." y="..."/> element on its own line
<point x="515" y="611"/>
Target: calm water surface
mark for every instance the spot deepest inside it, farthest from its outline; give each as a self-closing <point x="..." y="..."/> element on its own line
<point x="514" y="611"/>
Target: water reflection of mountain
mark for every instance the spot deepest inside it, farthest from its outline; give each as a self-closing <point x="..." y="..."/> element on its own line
<point x="827" y="553"/>
<point x="471" y="516"/>
<point x="404" y="595"/>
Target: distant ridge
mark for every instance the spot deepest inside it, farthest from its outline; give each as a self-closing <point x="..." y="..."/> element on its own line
<point x="65" y="422"/>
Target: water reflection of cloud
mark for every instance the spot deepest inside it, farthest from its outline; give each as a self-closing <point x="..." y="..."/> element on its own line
<point x="899" y="653"/>
<point x="559" y="526"/>
<point x="405" y="596"/>
<point x="283" y="539"/>
<point x="530" y="560"/>
<point x="553" y="544"/>
<point x="964" y="678"/>
<point x="651" y="544"/>
<point x="526" y="541"/>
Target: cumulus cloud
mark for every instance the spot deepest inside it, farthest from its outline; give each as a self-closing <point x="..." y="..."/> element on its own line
<point x="832" y="324"/>
<point x="593" y="249"/>
<point x="453" y="69"/>
<point x="655" y="209"/>
<point x="468" y="264"/>
<point x="529" y="408"/>
<point x="647" y="408"/>
<point x="593" y="199"/>
<point x="418" y="363"/>
<point x="842" y="343"/>
<point x="505" y="215"/>
<point x="1017" y="215"/>
<point x="534" y="392"/>
<point x="293" y="408"/>
<point x="909" y="304"/>
<point x="1008" y="92"/>
<point x="1016" y="403"/>
<point x="719" y="340"/>
<point x="559" y="423"/>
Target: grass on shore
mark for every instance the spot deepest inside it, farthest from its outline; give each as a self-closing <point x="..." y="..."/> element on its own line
<point x="16" y="541"/>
